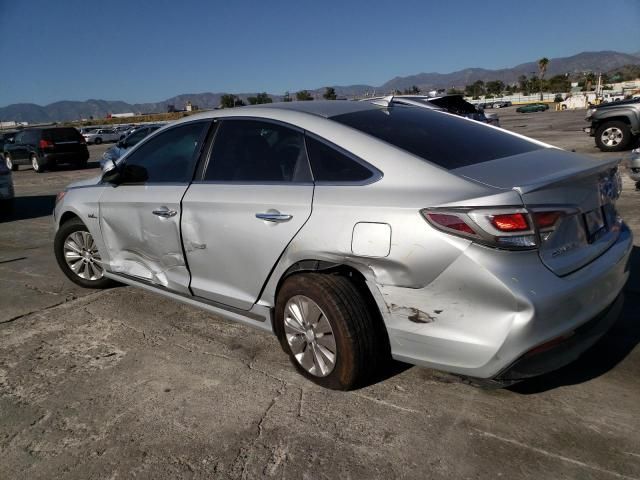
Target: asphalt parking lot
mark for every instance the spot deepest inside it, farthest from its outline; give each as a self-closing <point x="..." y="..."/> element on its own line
<point x="123" y="383"/>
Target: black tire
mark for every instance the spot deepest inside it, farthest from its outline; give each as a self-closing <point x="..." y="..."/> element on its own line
<point x="9" y="163"/>
<point x="362" y="345"/>
<point x="97" y="141"/>
<point x="617" y="127"/>
<point x="66" y="229"/>
<point x="82" y="164"/>
<point x="36" y="163"/>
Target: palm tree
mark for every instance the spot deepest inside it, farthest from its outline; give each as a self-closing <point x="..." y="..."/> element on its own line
<point x="543" y="63"/>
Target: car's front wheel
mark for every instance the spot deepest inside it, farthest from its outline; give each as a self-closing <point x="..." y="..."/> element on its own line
<point x="9" y="162"/>
<point x="613" y="136"/>
<point x="78" y="257"/>
<point x="329" y="330"/>
<point x="97" y="141"/>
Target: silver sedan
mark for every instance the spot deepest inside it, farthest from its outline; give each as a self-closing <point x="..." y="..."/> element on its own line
<point x="356" y="232"/>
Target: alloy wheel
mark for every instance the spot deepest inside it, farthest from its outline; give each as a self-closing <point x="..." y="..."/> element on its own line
<point x="82" y="257"/>
<point x="310" y="336"/>
<point x="35" y="164"/>
<point x="612" y="136"/>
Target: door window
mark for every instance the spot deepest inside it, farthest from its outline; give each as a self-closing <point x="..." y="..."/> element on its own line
<point x="256" y="151"/>
<point x="169" y="157"/>
<point x="330" y="165"/>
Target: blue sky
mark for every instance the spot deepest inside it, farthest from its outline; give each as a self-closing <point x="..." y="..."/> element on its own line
<point x="148" y="51"/>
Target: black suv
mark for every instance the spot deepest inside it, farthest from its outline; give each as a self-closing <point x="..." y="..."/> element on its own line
<point x="44" y="148"/>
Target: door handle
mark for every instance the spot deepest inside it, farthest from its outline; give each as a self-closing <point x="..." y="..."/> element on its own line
<point x="164" y="212"/>
<point x="275" y="217"/>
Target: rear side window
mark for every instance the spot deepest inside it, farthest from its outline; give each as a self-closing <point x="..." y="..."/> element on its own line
<point x="445" y="140"/>
<point x="257" y="151"/>
<point x="330" y="165"/>
<point x="169" y="157"/>
<point x="62" y="135"/>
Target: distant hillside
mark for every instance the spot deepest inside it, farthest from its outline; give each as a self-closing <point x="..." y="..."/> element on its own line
<point x="586" y="61"/>
<point x="574" y="65"/>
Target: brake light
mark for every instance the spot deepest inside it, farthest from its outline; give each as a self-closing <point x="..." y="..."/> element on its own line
<point x="452" y="222"/>
<point x="81" y="139"/>
<point x="45" y="143"/>
<point x="510" y="222"/>
<point x="507" y="228"/>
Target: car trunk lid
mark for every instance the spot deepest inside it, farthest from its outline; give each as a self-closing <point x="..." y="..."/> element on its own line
<point x="582" y="189"/>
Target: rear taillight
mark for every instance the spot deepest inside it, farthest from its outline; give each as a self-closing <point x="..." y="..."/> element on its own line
<point x="45" y="143"/>
<point x="82" y="140"/>
<point x="452" y="222"/>
<point x="510" y="228"/>
<point x="510" y="222"/>
<point x="546" y="222"/>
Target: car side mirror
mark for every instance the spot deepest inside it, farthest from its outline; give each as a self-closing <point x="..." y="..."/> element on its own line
<point x="111" y="172"/>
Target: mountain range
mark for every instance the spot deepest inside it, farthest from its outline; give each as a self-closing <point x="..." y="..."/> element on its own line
<point x="574" y="65"/>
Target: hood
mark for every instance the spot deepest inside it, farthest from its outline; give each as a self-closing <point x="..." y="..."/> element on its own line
<point x="85" y="183"/>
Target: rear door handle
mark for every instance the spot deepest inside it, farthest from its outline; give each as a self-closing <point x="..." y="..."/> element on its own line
<point x="164" y="212"/>
<point x="274" y="217"/>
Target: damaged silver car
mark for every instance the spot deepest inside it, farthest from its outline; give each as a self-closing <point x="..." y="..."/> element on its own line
<point x="356" y="232"/>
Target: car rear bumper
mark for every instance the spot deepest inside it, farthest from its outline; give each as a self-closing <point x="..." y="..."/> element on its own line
<point x="490" y="308"/>
<point x="66" y="157"/>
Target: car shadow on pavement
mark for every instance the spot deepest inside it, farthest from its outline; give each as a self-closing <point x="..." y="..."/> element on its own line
<point x="608" y="352"/>
<point x="25" y="208"/>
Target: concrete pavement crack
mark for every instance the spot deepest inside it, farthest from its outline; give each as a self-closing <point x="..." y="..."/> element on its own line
<point x="51" y="307"/>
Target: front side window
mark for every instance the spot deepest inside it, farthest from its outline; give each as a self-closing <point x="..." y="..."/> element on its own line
<point x="169" y="157"/>
<point x="257" y="151"/>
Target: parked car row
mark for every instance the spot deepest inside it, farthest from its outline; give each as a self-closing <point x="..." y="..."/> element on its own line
<point x="455" y="104"/>
<point x="133" y="136"/>
<point x="496" y="104"/>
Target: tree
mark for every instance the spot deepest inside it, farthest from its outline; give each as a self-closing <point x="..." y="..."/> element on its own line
<point x="543" y="63"/>
<point x="495" y="87"/>
<point x="589" y="79"/>
<point x="559" y="83"/>
<point x="523" y="83"/>
<point x="227" y="101"/>
<point x="414" y="90"/>
<point x="286" y="97"/>
<point x="259" y="99"/>
<point x="329" y="93"/>
<point x="454" y="91"/>
<point x="475" y="89"/>
<point x="303" y="95"/>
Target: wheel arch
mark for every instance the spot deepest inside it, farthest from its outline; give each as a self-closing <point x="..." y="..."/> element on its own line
<point x="354" y="274"/>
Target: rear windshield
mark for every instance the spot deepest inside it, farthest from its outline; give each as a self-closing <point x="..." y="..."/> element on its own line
<point x="448" y="141"/>
<point x="62" y="134"/>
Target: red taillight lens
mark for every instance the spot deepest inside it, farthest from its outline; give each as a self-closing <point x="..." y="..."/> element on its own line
<point x="45" y="143"/>
<point x="452" y="222"/>
<point x="511" y="222"/>
<point x="546" y="219"/>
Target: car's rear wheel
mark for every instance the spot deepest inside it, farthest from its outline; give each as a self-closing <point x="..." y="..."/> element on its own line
<point x="9" y="162"/>
<point x="613" y="136"/>
<point x="37" y="164"/>
<point x="97" y="141"/>
<point x="329" y="330"/>
<point x="82" y="164"/>
<point x="78" y="257"/>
